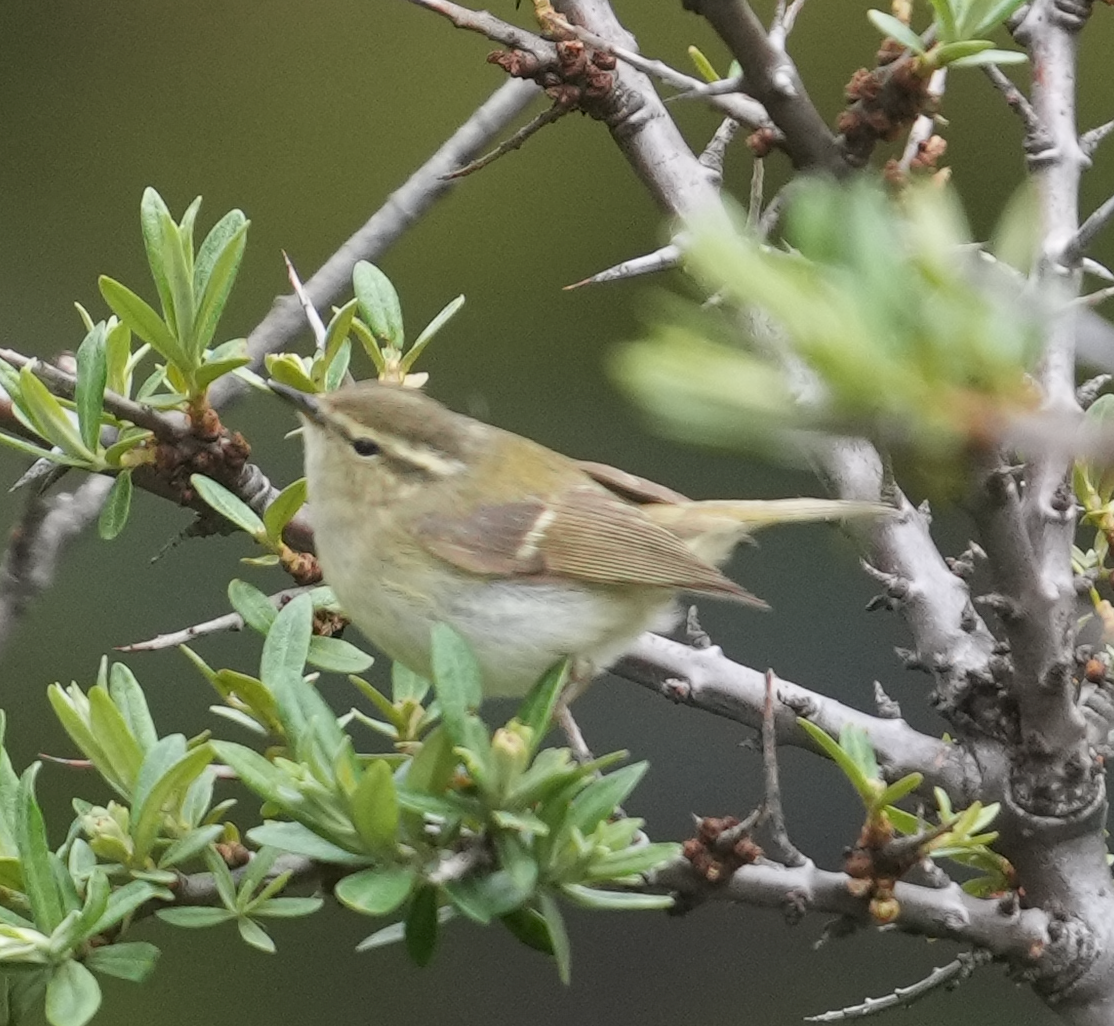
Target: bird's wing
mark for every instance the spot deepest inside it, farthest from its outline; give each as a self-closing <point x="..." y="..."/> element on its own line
<point x="584" y="533"/>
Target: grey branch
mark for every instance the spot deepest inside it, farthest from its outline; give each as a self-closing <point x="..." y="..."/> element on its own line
<point x="772" y="79"/>
<point x="1020" y="936"/>
<point x="706" y="679"/>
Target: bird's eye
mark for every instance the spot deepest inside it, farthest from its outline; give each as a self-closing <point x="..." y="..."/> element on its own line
<point x="365" y="446"/>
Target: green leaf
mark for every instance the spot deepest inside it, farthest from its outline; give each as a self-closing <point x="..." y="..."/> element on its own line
<point x="890" y="26"/>
<point x="165" y="776"/>
<point x="231" y="236"/>
<point x="375" y="812"/>
<point x="396" y="931"/>
<point x="899" y="789"/>
<point x="377" y="891"/>
<point x="286" y="504"/>
<point x="984" y="57"/>
<point x="179" y="278"/>
<point x="529" y="926"/>
<point x="456" y="679"/>
<point x="599" y="800"/>
<point x="123" y="901"/>
<point x="949" y="53"/>
<point x="841" y="758"/>
<point x="536" y="710"/>
<point x="287" y="908"/>
<point x="987" y="17"/>
<point x="558" y="936"/>
<point x="256" y="609"/>
<point x="152" y="211"/>
<point x="288" y="369"/>
<point x="39" y="453"/>
<point x="48" y="416"/>
<point x="300" y="840"/>
<point x="486" y="896"/>
<point x="128" y="696"/>
<point x="379" y="305"/>
<point x="229" y="506"/>
<point x="338" y="367"/>
<point x="371" y="347"/>
<point x="336" y="335"/>
<point x="431" y="769"/>
<point x="254" y="934"/>
<point x="856" y="743"/>
<point x="945" y="19"/>
<point x="142" y="320"/>
<point x="35" y="855"/>
<point x="72" y="995"/>
<point x="92" y="375"/>
<point x="337" y="655"/>
<point x="633" y="861"/>
<point x="616" y="901"/>
<point x="117" y="505"/>
<point x="195" y="917"/>
<point x="421" y="925"/>
<point x="447" y="313"/>
<point x="121" y="748"/>
<point x="129" y="960"/>
<point x="190" y="845"/>
<point x="408" y="686"/>
<point x="256" y="773"/>
<point x="211" y="369"/>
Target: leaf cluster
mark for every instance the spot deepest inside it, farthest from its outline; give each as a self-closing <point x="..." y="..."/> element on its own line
<point x="956" y="34"/>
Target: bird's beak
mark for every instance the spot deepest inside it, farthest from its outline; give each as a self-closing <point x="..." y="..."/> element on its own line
<point x="303" y="402"/>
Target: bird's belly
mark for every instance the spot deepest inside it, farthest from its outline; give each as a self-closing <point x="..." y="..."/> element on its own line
<point x="517" y="629"/>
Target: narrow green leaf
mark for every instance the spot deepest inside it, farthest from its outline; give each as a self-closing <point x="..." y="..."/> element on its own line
<point x="152" y="210"/>
<point x="92" y="376"/>
<point x="558" y="936"/>
<point x="72" y="995"/>
<point x="377" y="891"/>
<point x="229" y="506"/>
<point x="835" y="752"/>
<point x="117" y="506"/>
<point x="221" y="278"/>
<point x="599" y="800"/>
<point x="287" y="908"/>
<point x="256" y="773"/>
<point x="421" y="926"/>
<point x="288" y="369"/>
<point x="120" y="746"/>
<point x="633" y="861"/>
<point x="447" y="313"/>
<point x="29" y="449"/>
<point x="984" y="57"/>
<point x="128" y="960"/>
<point x="286" y="504"/>
<point x="529" y="926"/>
<point x="374" y="808"/>
<point x="214" y="245"/>
<point x="379" y="305"/>
<point x="338" y="367"/>
<point x="185" y="231"/>
<point x="195" y="917"/>
<point x="210" y="370"/>
<point x="617" y="901"/>
<point x="179" y="278"/>
<point x="300" y="840"/>
<point x="35" y="856"/>
<point x="190" y="846"/>
<point x="337" y="655"/>
<point x="434" y="765"/>
<point x="169" y="785"/>
<point x="945" y="19"/>
<point x="125" y="691"/>
<point x="257" y="610"/>
<point x="48" y="416"/>
<point x="456" y="679"/>
<point x="408" y="686"/>
<point x="371" y="347"/>
<point x="890" y="26"/>
<point x="899" y="789"/>
<point x="536" y="710"/>
<point x="336" y="335"/>
<point x="396" y="931"/>
<point x="138" y="315"/>
<point x="703" y="65"/>
<point x="118" y="357"/>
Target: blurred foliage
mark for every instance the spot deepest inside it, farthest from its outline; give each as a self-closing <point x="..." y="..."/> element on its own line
<point x="876" y="298"/>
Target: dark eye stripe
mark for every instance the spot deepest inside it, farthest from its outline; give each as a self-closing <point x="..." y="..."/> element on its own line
<point x="365" y="447"/>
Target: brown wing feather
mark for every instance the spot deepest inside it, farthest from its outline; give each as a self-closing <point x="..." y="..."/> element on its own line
<point x="585" y="534"/>
<point x="629" y="486"/>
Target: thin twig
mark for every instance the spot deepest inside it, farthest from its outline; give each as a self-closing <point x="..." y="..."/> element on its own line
<point x="925" y="125"/>
<point x="1089" y="141"/>
<point x="1088" y="231"/>
<point x="774" y="819"/>
<point x="663" y="259"/>
<point x="513" y="142"/>
<point x="312" y="316"/>
<point x="218" y="625"/>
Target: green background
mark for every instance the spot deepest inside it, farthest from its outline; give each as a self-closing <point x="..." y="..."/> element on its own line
<point x="307" y="116"/>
